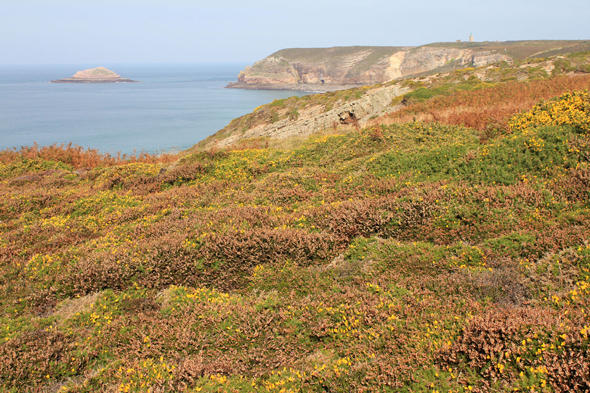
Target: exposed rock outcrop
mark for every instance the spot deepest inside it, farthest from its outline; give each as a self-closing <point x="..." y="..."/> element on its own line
<point x="481" y="59"/>
<point x="95" y="75"/>
<point x="330" y="69"/>
<point x="311" y="120"/>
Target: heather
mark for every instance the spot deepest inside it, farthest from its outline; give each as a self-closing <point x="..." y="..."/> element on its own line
<point x="490" y="109"/>
<point x="415" y="256"/>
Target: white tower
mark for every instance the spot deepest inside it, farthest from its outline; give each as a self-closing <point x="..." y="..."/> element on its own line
<point x="471" y="37"/>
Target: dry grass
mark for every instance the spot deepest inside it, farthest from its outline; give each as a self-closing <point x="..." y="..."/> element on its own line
<point x="487" y="108"/>
<point x="72" y="306"/>
<point x="289" y="143"/>
<point x="78" y="157"/>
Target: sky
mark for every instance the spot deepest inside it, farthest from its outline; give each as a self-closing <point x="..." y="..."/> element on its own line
<point x="192" y="31"/>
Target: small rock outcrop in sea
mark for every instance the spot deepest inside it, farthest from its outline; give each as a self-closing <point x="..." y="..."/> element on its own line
<point x="95" y="75"/>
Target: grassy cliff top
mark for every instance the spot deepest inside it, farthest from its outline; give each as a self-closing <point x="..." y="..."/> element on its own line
<point x="516" y="49"/>
<point x="519" y="50"/>
<point x="312" y="55"/>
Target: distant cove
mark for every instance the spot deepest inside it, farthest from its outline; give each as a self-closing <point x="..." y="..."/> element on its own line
<point x="176" y="106"/>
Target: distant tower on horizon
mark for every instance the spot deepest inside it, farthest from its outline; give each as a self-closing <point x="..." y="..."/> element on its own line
<point x="471" y="37"/>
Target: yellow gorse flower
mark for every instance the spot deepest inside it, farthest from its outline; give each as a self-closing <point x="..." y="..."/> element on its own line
<point x="569" y="109"/>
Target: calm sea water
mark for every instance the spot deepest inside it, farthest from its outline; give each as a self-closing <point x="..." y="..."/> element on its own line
<point x="174" y="107"/>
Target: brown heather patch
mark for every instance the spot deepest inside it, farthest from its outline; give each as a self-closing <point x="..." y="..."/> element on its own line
<point x="38" y="355"/>
<point x="502" y="337"/>
<point x="79" y="158"/>
<point x="489" y="108"/>
<point x="311" y="270"/>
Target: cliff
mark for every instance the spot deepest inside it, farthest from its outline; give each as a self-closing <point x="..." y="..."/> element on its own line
<point x="339" y="68"/>
<point x="95" y="75"/>
<point x="309" y="119"/>
<point x="298" y="117"/>
<point x="331" y="69"/>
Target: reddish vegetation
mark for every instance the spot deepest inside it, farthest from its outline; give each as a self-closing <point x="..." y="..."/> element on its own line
<point x="407" y="257"/>
<point x="488" y="108"/>
<point x="77" y="157"/>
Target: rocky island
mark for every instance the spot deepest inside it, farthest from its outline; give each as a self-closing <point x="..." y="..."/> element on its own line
<point x="95" y="75"/>
<point x="339" y="68"/>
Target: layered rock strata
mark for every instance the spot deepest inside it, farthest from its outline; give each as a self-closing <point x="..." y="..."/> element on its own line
<point x="329" y="69"/>
<point x="311" y="120"/>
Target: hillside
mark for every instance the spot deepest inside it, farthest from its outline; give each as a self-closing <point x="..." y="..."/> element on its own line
<point x="360" y="107"/>
<point x="407" y="256"/>
<point x="340" y="68"/>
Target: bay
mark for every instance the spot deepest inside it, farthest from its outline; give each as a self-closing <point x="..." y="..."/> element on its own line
<point x="174" y="107"/>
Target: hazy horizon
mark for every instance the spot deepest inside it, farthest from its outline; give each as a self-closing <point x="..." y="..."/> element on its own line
<point x="36" y="32"/>
<point x="176" y="106"/>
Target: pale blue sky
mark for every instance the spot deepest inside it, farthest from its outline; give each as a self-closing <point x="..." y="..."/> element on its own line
<point x="150" y="31"/>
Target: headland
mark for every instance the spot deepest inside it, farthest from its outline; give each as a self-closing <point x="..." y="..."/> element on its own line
<point x="341" y="68"/>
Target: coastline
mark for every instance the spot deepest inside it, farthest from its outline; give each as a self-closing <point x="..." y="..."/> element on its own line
<point x="308" y="87"/>
<point x="187" y="100"/>
<point x="79" y="80"/>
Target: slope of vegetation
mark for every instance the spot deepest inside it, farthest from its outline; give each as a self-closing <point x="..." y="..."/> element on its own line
<point x="456" y="104"/>
<point x="489" y="110"/>
<point x="414" y="257"/>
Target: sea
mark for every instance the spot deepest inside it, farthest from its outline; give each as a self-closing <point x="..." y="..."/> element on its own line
<point x="174" y="107"/>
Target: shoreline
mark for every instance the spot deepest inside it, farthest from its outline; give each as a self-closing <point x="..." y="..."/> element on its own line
<point x="71" y="80"/>
<point x="308" y="87"/>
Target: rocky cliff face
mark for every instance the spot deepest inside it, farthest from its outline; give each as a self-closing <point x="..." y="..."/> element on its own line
<point x="484" y="58"/>
<point x="359" y="107"/>
<point x="314" y="118"/>
<point x="338" y="68"/>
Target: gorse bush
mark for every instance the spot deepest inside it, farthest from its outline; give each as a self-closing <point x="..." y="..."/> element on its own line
<point x="487" y="109"/>
<point x="571" y="109"/>
<point x="399" y="258"/>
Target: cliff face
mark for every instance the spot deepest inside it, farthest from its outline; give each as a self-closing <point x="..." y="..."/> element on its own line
<point x="312" y="118"/>
<point x="361" y="106"/>
<point x="344" y="67"/>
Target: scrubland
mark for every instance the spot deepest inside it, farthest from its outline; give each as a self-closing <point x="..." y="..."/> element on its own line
<point x="446" y="97"/>
<point x="446" y="253"/>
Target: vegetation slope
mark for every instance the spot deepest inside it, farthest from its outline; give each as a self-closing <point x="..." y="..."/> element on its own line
<point x="457" y="85"/>
<point x="414" y="256"/>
